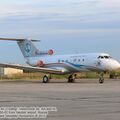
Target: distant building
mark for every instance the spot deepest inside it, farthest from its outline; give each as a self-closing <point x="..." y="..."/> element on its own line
<point x="1" y="71"/>
<point x="9" y="71"/>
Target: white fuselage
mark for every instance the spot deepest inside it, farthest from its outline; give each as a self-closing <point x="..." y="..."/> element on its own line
<point x="98" y="62"/>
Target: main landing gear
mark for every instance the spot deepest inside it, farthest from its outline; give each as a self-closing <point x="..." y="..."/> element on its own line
<point x="71" y="78"/>
<point x="46" y="78"/>
<point x="101" y="79"/>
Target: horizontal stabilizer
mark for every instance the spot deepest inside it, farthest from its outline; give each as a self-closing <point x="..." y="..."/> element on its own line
<point x="18" y="39"/>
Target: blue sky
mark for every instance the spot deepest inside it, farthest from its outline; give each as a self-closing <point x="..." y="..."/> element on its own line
<point x="67" y="26"/>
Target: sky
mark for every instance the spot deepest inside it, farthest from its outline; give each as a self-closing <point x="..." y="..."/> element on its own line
<point x="67" y="26"/>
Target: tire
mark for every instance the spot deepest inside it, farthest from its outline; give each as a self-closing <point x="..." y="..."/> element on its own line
<point x="71" y="79"/>
<point x="101" y="80"/>
<point x="45" y="79"/>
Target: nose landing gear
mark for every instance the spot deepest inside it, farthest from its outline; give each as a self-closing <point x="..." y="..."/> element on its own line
<point x="101" y="79"/>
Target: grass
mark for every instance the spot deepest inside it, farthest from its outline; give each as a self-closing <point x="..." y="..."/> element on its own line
<point x="38" y="76"/>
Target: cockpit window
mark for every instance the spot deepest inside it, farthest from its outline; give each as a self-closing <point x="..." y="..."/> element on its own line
<point x="107" y="57"/>
<point x="104" y="57"/>
<point x="101" y="57"/>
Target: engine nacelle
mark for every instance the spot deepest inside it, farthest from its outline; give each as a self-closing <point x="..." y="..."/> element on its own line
<point x="36" y="63"/>
<point x="40" y="63"/>
<point x="50" y="52"/>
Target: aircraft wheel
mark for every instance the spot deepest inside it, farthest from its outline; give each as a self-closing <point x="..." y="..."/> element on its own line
<point x="45" y="79"/>
<point x="71" y="79"/>
<point x="101" y="80"/>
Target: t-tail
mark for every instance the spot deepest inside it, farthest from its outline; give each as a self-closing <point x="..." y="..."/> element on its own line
<point x="27" y="47"/>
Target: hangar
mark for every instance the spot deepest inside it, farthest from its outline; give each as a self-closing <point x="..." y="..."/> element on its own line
<point x="9" y="71"/>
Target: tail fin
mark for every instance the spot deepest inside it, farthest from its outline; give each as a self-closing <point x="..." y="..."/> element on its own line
<point x="27" y="47"/>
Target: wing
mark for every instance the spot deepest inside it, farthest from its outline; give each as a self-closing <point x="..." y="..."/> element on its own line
<point x="33" y="69"/>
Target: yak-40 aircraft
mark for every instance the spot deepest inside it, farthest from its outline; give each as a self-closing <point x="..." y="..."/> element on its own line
<point x="46" y="62"/>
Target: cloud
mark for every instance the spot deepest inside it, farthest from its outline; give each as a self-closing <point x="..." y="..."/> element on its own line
<point x="89" y="31"/>
<point x="58" y="10"/>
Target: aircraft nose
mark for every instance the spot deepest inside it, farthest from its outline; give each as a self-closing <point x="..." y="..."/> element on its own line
<point x="118" y="66"/>
<point x="115" y="65"/>
<point x="111" y="65"/>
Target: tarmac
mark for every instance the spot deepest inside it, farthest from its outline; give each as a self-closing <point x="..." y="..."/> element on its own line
<point x="83" y="100"/>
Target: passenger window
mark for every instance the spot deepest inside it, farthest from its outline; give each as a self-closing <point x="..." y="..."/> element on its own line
<point x="66" y="61"/>
<point x="74" y="60"/>
<point x="59" y="61"/>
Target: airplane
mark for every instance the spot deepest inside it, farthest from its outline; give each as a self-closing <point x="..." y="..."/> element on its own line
<point x="46" y="62"/>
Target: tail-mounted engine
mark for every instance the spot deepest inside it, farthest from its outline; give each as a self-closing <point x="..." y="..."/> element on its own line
<point x="49" y="52"/>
